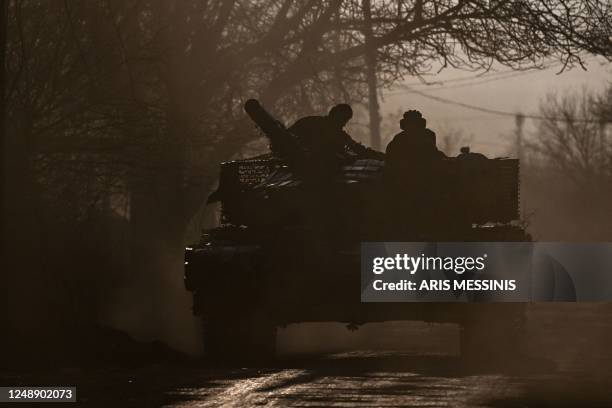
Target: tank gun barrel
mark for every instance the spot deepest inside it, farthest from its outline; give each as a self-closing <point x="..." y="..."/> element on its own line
<point x="262" y="118"/>
<point x="282" y="142"/>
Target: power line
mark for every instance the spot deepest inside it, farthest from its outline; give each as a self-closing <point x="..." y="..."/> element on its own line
<point x="481" y="78"/>
<point x="484" y="76"/>
<point x="488" y="79"/>
<point x="499" y="112"/>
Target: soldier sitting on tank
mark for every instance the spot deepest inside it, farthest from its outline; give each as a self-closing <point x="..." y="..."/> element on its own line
<point x="324" y="138"/>
<point x="414" y="143"/>
<point x="412" y="171"/>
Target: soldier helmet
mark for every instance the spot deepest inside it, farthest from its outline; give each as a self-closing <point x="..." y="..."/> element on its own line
<point x="413" y="119"/>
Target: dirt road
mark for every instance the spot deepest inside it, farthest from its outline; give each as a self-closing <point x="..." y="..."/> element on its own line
<point x="417" y="376"/>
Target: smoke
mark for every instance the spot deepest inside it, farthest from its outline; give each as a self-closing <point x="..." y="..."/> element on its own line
<point x="157" y="308"/>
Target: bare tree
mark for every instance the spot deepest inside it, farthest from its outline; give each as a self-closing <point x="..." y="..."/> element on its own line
<point x="568" y="167"/>
<point x="144" y="97"/>
<point x="572" y="136"/>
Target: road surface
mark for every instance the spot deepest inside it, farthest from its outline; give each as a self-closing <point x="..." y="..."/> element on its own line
<point x="417" y="376"/>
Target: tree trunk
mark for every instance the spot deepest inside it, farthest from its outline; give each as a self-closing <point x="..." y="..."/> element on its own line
<point x="155" y="304"/>
<point x="370" y="57"/>
<point x="27" y="296"/>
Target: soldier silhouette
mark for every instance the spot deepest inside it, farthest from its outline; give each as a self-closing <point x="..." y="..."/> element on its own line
<point x="327" y="146"/>
<point x="414" y="145"/>
<point x="411" y="172"/>
<point x="325" y="139"/>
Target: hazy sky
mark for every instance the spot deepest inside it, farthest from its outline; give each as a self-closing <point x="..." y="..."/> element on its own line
<point x="510" y="92"/>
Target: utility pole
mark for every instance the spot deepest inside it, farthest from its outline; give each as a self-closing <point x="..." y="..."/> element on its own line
<point x="520" y="121"/>
<point x="370" y="59"/>
<point x="602" y="142"/>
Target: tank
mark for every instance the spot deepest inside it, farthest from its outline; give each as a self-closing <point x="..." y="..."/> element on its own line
<point x="288" y="248"/>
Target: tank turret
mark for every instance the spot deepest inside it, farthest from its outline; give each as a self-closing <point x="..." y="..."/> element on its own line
<point x="271" y="190"/>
